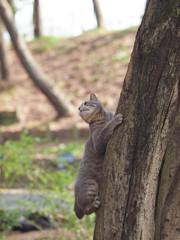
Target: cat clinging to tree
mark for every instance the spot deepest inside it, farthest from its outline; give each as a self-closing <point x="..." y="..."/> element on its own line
<point x="102" y="125"/>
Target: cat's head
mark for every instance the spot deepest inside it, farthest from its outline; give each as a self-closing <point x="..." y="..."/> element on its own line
<point x="91" y="110"/>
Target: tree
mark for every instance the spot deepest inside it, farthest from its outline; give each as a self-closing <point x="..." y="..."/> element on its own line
<point x="98" y="14"/>
<point x="37" y="19"/>
<point x="168" y="204"/>
<point x="4" y="62"/>
<point x="141" y="173"/>
<point x="42" y="81"/>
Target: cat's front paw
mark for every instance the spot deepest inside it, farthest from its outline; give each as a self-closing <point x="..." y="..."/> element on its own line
<point x="119" y="118"/>
<point x="96" y="202"/>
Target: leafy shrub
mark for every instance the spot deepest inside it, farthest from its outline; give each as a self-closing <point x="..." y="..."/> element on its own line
<point x="19" y="169"/>
<point x="16" y="160"/>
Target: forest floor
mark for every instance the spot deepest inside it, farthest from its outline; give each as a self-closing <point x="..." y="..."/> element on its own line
<point x="96" y="62"/>
<point x="93" y="62"/>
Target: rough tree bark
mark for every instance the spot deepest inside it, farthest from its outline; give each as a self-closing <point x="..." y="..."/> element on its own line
<point x="168" y="196"/>
<point x="98" y="13"/>
<point x="42" y="81"/>
<point x="37" y="19"/>
<point x="140" y="180"/>
<point x="4" y="63"/>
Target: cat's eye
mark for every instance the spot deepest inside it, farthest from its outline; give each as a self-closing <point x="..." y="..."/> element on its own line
<point x="85" y="103"/>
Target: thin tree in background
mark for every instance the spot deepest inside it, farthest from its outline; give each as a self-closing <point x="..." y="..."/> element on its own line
<point x="5" y="70"/>
<point x="37" y="19"/>
<point x="98" y="13"/>
<point x="41" y="80"/>
<point x="4" y="61"/>
<point x="140" y="189"/>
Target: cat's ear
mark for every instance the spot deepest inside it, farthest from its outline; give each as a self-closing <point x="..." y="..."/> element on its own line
<point x="93" y="97"/>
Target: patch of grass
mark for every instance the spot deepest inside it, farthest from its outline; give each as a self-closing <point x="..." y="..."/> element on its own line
<point x="15" y="157"/>
<point x="62" y="50"/>
<point x="66" y="49"/>
<point x="74" y="148"/>
<point x="100" y="61"/>
<point x="48" y="42"/>
<point x="72" y="48"/>
<point x="94" y="78"/>
<point x="2" y="237"/>
<point x="17" y="165"/>
<point x="8" y="219"/>
<point x="6" y="95"/>
<point x="80" y="66"/>
<point x="131" y="29"/>
<point x="95" y="32"/>
<point x="122" y="56"/>
<point x="97" y="45"/>
<point x="8" y="117"/>
<point x="51" y="238"/>
<point x="61" y="84"/>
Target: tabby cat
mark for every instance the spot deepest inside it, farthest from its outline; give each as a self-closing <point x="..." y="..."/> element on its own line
<point x="102" y="125"/>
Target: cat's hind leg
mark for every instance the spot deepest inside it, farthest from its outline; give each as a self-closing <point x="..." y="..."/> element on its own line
<point x="90" y="208"/>
<point x="79" y="212"/>
<point x="88" y="197"/>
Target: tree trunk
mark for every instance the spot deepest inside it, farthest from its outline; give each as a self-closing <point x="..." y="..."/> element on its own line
<point x="4" y="63"/>
<point x="137" y="157"/>
<point x="37" y="19"/>
<point x="98" y="14"/>
<point x="42" y="81"/>
<point x="168" y="196"/>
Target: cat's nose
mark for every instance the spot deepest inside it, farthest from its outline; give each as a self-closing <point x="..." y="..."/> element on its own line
<point x="79" y="108"/>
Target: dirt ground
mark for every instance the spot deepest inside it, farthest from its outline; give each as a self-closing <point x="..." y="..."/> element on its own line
<point x="43" y="234"/>
<point x="94" y="62"/>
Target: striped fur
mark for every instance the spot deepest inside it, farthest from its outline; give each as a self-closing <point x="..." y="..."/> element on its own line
<point x="102" y="125"/>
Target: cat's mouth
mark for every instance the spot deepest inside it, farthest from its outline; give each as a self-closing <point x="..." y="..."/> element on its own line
<point x="83" y="110"/>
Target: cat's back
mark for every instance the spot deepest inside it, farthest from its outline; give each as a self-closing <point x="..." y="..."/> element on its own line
<point x="89" y="151"/>
<point x="91" y="162"/>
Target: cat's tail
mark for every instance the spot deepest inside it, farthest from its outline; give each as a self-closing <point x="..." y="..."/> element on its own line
<point x="79" y="212"/>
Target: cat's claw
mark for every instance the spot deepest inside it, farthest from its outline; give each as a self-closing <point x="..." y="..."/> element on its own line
<point x="119" y="118"/>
